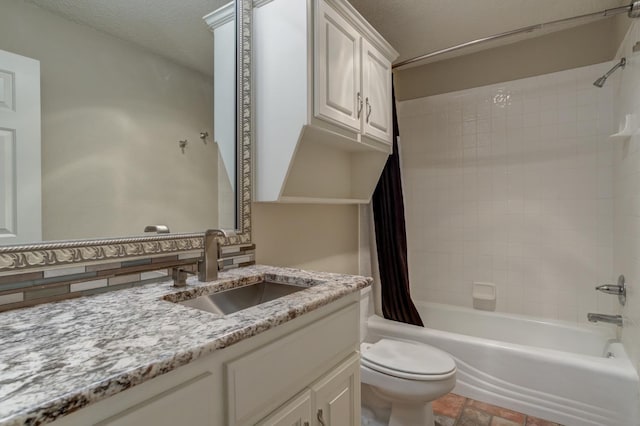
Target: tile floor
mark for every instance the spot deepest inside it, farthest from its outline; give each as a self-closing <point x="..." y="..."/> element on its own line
<point x="456" y="410"/>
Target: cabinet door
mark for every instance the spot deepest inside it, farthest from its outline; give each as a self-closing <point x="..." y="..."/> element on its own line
<point x="337" y="68"/>
<point x="188" y="403"/>
<point x="294" y="413"/>
<point x="336" y="397"/>
<point x="377" y="92"/>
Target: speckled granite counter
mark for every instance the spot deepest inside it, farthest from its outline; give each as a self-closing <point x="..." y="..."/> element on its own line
<point x="58" y="357"/>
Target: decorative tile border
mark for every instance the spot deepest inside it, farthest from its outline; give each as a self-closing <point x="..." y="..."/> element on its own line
<point x="49" y="285"/>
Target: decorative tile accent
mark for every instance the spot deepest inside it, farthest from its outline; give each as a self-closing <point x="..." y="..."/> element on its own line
<point x="153" y="274"/>
<point x="88" y="285"/>
<point x="46" y="292"/>
<point x="123" y="279"/>
<point x="43" y="287"/>
<point x="59" y="272"/>
<point x="11" y="298"/>
<point x="104" y="266"/>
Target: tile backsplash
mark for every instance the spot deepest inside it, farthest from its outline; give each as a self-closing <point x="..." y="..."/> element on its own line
<point x="33" y="288"/>
<point x="512" y="184"/>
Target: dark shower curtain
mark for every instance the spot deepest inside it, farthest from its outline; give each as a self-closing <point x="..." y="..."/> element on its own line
<point x="391" y="239"/>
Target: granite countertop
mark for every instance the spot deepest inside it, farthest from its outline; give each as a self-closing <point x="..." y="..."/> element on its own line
<point x="58" y="357"/>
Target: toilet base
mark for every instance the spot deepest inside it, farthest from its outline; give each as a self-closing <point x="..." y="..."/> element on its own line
<point x="411" y="415"/>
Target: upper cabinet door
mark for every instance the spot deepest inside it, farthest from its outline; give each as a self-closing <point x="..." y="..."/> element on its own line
<point x="377" y="91"/>
<point x="337" y="67"/>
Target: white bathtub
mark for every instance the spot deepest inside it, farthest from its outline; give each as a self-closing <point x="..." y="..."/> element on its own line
<point x="574" y="375"/>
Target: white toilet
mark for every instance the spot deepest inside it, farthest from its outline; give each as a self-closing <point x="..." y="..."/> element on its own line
<point x="409" y="376"/>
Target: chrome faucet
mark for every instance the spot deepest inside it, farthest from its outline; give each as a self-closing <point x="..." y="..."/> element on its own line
<point x="208" y="267"/>
<point x="611" y="319"/>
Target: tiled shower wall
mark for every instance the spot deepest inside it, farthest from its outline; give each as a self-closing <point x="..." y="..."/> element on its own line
<point x="626" y="162"/>
<point x="512" y="184"/>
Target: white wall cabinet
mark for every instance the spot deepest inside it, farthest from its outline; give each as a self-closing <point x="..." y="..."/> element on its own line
<point x="245" y="383"/>
<point x="353" y="78"/>
<point x="322" y="98"/>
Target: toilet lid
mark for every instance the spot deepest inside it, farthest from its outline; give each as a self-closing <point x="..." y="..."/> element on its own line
<point x="412" y="360"/>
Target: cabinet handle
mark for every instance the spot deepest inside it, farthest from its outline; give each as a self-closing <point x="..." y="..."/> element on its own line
<point x="368" y="109"/>
<point x="320" y="419"/>
<point x="359" y="104"/>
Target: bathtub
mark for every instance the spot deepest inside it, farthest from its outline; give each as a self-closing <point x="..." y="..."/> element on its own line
<point x="556" y="370"/>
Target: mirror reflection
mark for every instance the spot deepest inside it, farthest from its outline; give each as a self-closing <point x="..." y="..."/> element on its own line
<point x="115" y="116"/>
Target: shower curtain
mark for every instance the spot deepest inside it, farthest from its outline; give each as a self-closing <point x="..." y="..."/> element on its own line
<point x="391" y="239"/>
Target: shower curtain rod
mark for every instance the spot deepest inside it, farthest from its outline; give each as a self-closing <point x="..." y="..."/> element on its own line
<point x="633" y="11"/>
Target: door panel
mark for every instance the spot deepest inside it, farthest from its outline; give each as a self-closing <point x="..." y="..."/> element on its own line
<point x="337" y="69"/>
<point x="20" y="181"/>
<point x="377" y="90"/>
<point x="295" y="413"/>
<point x="337" y="396"/>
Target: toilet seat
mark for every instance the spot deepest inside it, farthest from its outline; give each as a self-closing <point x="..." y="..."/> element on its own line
<point x="405" y="360"/>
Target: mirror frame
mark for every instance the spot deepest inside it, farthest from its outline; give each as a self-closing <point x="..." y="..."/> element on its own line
<point x="29" y="257"/>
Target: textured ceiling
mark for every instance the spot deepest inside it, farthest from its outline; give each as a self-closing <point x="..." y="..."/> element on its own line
<point x="171" y="28"/>
<point x="175" y="29"/>
<point x="416" y="27"/>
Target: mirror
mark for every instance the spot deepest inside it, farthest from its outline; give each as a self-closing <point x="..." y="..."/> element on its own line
<point x="116" y="115"/>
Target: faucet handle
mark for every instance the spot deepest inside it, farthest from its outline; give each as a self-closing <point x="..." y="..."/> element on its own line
<point x="620" y="289"/>
<point x="610" y="289"/>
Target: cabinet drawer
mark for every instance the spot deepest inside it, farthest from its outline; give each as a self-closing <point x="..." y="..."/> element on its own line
<point x="257" y="383"/>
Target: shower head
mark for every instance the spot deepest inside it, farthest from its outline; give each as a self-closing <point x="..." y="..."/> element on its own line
<point x="600" y="82"/>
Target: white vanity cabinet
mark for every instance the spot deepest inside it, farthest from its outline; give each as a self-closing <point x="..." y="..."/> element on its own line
<point x="333" y="400"/>
<point x="281" y="376"/>
<point x="296" y="412"/>
<point x="322" y="102"/>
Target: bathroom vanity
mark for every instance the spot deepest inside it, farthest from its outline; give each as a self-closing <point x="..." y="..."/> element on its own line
<point x="138" y="356"/>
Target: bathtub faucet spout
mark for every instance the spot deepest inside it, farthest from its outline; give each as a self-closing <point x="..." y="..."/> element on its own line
<point x="612" y="319"/>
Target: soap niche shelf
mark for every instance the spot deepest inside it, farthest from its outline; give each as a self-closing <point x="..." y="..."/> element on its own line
<point x="629" y="129"/>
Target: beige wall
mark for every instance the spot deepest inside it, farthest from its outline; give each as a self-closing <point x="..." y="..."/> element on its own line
<point x="315" y="237"/>
<point x="112" y="114"/>
<point x="579" y="46"/>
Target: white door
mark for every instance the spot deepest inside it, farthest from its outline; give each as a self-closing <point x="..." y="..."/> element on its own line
<point x="337" y="395"/>
<point x="20" y="184"/>
<point x="337" y="67"/>
<point x="377" y="92"/>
